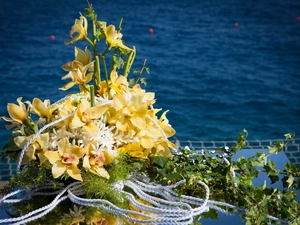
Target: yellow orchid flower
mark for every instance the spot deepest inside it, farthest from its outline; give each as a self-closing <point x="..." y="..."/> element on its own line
<point x="80" y="27"/>
<point x="37" y="147"/>
<point x="85" y="114"/>
<point x="162" y="148"/>
<point x="128" y="114"/>
<point x="85" y="57"/>
<point x="64" y="109"/>
<point x="65" y="159"/>
<point x="18" y="114"/>
<point x="117" y="84"/>
<point x="78" y="75"/>
<point x="95" y="162"/>
<point x="164" y="124"/>
<point x="135" y="150"/>
<point x="43" y="109"/>
<point x="113" y="38"/>
<point x="81" y="57"/>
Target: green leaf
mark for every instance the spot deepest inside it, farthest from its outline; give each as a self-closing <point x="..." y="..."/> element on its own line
<point x="289" y="136"/>
<point x="212" y="214"/>
<point x="36" y="128"/>
<point x="136" y="71"/>
<point x="11" y="146"/>
<point x="148" y="70"/>
<point x="118" y="62"/>
<point x="260" y="159"/>
<point x="274" y="178"/>
<point x="271" y="164"/>
<point x="173" y="176"/>
<point x="273" y="150"/>
<point x="160" y="161"/>
<point x="89" y="12"/>
<point x="290" y="181"/>
<point x="131" y="82"/>
<point x="143" y="81"/>
<point x="99" y="34"/>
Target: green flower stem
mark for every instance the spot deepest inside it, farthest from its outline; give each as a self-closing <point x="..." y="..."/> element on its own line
<point x="106" y="73"/>
<point x="84" y="87"/>
<point x="92" y="93"/>
<point x="112" y="64"/>
<point x="97" y="72"/>
<point x="120" y="25"/>
<point x="115" y="50"/>
<point x="141" y="71"/>
<point x="90" y="42"/>
<point x="29" y="125"/>
<point x="97" y="77"/>
<point x="105" y="51"/>
<point x="129" y="62"/>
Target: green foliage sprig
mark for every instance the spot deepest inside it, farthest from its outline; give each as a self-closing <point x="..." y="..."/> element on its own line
<point x="233" y="183"/>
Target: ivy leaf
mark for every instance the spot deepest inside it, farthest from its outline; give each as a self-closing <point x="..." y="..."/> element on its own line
<point x="290" y="181"/>
<point x="273" y="178"/>
<point x="118" y="62"/>
<point x="279" y="145"/>
<point x="11" y="146"/>
<point x="136" y="71"/>
<point x="99" y="34"/>
<point x="173" y="176"/>
<point x="273" y="150"/>
<point x="271" y="171"/>
<point x="131" y="82"/>
<point x="260" y="159"/>
<point x="143" y="81"/>
<point x="290" y="168"/>
<point x="89" y="12"/>
<point x="289" y="136"/>
<point x="212" y="213"/>
<point x="148" y="70"/>
<point x="160" y="161"/>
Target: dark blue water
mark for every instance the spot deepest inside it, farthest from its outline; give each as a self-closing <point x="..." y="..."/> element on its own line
<point x="215" y="78"/>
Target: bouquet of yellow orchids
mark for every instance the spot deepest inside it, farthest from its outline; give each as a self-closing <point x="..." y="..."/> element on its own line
<point x="94" y="135"/>
<point x="102" y="156"/>
<point x="91" y="128"/>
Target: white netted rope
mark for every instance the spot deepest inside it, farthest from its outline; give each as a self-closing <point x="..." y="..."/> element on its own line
<point x="160" y="204"/>
<point x="165" y="207"/>
<point x="50" y="125"/>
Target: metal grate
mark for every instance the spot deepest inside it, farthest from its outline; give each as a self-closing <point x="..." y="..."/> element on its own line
<point x="292" y="150"/>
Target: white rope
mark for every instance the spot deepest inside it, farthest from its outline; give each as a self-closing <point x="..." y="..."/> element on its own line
<point x="157" y="126"/>
<point x="169" y="194"/>
<point x="166" y="207"/>
<point x="41" y="211"/>
<point x="36" y="135"/>
<point x="162" y="211"/>
<point x="164" y="214"/>
<point x="49" y="125"/>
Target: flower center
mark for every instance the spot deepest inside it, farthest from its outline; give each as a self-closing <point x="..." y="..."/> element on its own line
<point x="100" y="159"/>
<point x="69" y="158"/>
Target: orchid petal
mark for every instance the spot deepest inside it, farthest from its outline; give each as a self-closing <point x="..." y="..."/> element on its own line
<point x="52" y="156"/>
<point x="74" y="172"/>
<point x="58" y="169"/>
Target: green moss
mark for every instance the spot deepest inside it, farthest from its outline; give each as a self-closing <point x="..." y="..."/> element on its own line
<point x="102" y="188"/>
<point x="30" y="176"/>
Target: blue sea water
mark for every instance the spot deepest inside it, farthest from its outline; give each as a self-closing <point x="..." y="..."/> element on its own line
<point x="214" y="78"/>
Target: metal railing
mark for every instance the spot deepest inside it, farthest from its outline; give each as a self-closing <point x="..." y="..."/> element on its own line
<point x="292" y="150"/>
<point x="251" y="144"/>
